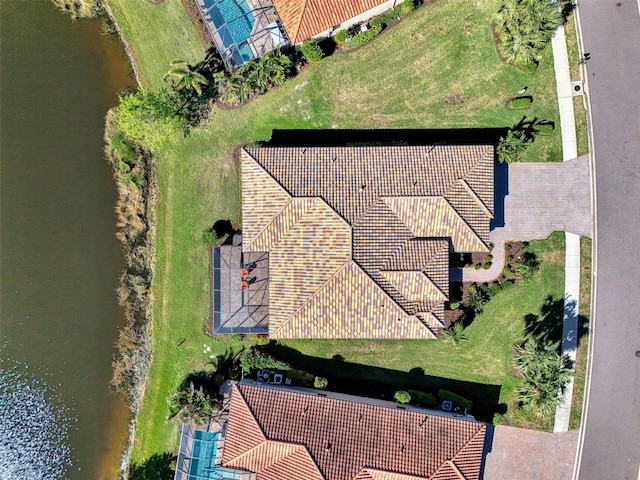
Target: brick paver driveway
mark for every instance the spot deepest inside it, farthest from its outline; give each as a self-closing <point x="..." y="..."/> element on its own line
<point x="529" y="455"/>
<point x="541" y="198"/>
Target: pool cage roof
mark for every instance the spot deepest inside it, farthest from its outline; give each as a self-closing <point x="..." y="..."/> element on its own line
<point x="199" y="458"/>
<point x="243" y="30"/>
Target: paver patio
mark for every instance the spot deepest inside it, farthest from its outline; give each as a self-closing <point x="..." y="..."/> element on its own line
<point x="530" y="455"/>
<point x="540" y="198"/>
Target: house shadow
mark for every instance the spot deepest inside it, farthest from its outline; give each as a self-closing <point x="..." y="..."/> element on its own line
<point x="382" y="383"/>
<point x="412" y="137"/>
<point x="500" y="191"/>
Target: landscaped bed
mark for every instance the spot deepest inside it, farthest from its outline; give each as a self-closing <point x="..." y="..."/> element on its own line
<point x="405" y="78"/>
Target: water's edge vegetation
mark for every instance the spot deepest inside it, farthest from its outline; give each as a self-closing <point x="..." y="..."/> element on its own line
<point x="134" y="175"/>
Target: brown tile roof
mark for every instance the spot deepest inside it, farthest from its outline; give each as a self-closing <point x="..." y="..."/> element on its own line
<point x="281" y="434"/>
<point x="303" y="19"/>
<point x="358" y="237"/>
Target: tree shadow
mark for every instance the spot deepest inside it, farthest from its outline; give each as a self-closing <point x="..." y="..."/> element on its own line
<point x="548" y="325"/>
<point x="159" y="466"/>
<point x="377" y="382"/>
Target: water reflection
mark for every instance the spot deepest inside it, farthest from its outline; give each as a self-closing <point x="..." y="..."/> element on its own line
<point x="34" y="425"/>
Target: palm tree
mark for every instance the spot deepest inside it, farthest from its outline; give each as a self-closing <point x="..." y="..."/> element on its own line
<point x="186" y="77"/>
<point x="545" y="373"/>
<point x="455" y="334"/>
<point x="192" y="404"/>
<point x="475" y="301"/>
<point x="525" y="28"/>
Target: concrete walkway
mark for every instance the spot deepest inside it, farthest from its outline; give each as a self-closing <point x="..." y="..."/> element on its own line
<point x="572" y="255"/>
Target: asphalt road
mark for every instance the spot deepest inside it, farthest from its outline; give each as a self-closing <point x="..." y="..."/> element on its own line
<point x="609" y="445"/>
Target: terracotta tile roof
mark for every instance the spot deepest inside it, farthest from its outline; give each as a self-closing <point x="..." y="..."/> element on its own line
<point x="303" y="19"/>
<point x="358" y="237"/>
<point x="312" y="437"/>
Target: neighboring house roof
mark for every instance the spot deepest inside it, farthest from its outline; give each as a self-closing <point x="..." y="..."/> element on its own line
<point x="281" y="434"/>
<point x="303" y="19"/>
<point x="359" y="237"/>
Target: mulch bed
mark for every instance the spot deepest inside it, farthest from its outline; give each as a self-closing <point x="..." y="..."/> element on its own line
<point x="197" y="21"/>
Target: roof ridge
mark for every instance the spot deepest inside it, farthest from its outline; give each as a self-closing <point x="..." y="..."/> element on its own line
<point x="455" y="468"/>
<point x="464" y="222"/>
<point x="481" y="430"/>
<point x="279" y="214"/>
<point x="313" y="295"/>
<point x="473" y="193"/>
<point x="299" y="22"/>
<point x="273" y="219"/>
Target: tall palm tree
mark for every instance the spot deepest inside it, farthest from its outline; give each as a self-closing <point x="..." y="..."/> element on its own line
<point x="545" y="373"/>
<point x="186" y="77"/>
<point x="525" y="28"/>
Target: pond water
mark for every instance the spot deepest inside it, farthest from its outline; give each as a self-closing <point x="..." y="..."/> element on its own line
<point x="60" y="260"/>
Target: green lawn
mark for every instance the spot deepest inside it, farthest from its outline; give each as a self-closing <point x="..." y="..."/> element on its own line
<point x="437" y="69"/>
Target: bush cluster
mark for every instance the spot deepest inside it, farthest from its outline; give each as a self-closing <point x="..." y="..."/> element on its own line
<point x="363" y="37"/>
<point x="520" y="103"/>
<point x="402" y="396"/>
<point x="423" y="399"/>
<point x="320" y="383"/>
<point x="341" y="36"/>
<point x="311" y="50"/>
<point x="253" y="78"/>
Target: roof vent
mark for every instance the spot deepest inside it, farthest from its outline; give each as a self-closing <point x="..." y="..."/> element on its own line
<point x="362" y="187"/>
<point x="333" y="160"/>
<point x="360" y="418"/>
<point x="303" y="151"/>
<point x="415" y="184"/>
<point x="424" y="420"/>
<point x="306" y="409"/>
<point x="328" y="446"/>
<point x="402" y="448"/>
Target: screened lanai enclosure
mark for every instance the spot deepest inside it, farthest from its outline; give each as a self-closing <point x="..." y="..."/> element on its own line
<point x="243" y="29"/>
<point x="200" y="457"/>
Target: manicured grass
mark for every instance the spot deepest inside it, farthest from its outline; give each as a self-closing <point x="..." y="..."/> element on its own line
<point x="436" y="69"/>
<point x="575" y="72"/>
<point x="158" y="33"/>
<point x="582" y="353"/>
<point x="483" y="358"/>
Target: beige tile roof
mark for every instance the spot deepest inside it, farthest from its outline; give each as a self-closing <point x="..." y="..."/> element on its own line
<point x="302" y="435"/>
<point x="303" y="19"/>
<point x="358" y="237"/>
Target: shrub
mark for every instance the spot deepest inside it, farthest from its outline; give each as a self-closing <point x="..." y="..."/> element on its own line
<point x="454" y="305"/>
<point x="423" y="399"/>
<point x="455" y="398"/>
<point x="255" y="360"/>
<point x="341" y="36"/>
<point x="209" y="237"/>
<point x="402" y="396"/>
<point x="407" y="6"/>
<point x="300" y="377"/>
<point x="320" y="383"/>
<point x="363" y="37"/>
<point x="520" y="103"/>
<point x="544" y="129"/>
<point x="311" y="50"/>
